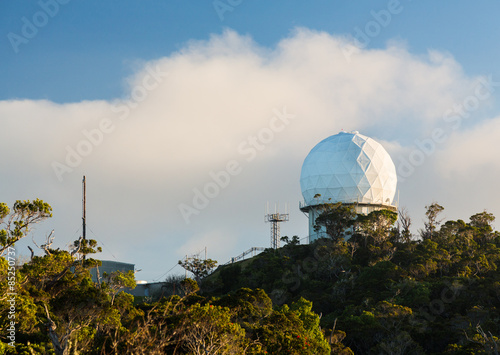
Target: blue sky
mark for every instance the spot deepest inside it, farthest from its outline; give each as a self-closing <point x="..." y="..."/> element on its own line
<point x="159" y="97"/>
<point x="87" y="48"/>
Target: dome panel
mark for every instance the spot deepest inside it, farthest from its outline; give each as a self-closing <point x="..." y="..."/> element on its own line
<point x="343" y="196"/>
<point x="369" y="149"/>
<point x="363" y="161"/>
<point x="333" y="193"/>
<point x="358" y="141"/>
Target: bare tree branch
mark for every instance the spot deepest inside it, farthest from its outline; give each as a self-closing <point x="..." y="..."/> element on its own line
<point x="46" y="247"/>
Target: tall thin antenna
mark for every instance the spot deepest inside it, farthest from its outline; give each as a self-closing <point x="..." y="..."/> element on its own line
<point x="84" y="218"/>
<point x="84" y="222"/>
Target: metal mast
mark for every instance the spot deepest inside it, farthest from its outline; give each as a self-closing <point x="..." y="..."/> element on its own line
<point x="84" y="222"/>
<point x="84" y="219"/>
<point x="275" y="219"/>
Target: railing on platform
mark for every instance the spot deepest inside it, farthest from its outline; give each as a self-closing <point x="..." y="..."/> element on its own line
<point x="252" y="251"/>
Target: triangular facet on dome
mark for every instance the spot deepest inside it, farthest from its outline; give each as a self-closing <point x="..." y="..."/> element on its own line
<point x="358" y="140"/>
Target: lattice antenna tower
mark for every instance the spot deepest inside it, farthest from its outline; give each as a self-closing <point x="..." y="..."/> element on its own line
<point x="275" y="219"/>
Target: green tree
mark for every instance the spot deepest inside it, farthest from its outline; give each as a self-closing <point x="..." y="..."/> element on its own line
<point x="198" y="267"/>
<point x="293" y="329"/>
<point x="189" y="286"/>
<point x="432" y="212"/>
<point x="481" y="222"/>
<point x="403" y="226"/>
<point x="116" y="282"/>
<point x="143" y="331"/>
<point x="250" y="307"/>
<point x="336" y="218"/>
<point x="18" y="221"/>
<point x="208" y="330"/>
<point x="71" y="307"/>
<point x="294" y="241"/>
<point x="376" y="225"/>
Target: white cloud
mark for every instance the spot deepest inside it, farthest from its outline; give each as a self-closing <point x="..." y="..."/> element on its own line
<point x="219" y="94"/>
<point x="472" y="152"/>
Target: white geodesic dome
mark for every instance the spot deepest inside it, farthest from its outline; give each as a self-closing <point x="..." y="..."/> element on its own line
<point x="349" y="168"/>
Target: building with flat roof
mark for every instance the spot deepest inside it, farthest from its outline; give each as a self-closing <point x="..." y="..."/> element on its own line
<point x="108" y="267"/>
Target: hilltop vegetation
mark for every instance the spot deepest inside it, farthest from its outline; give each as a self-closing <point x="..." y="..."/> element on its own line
<point x="370" y="288"/>
<point x="50" y="305"/>
<point x="390" y="293"/>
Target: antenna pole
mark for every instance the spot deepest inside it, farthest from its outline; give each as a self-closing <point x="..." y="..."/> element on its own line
<point x="84" y="221"/>
<point x="84" y="209"/>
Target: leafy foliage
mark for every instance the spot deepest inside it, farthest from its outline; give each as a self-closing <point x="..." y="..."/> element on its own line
<point x="18" y="221"/>
<point x="336" y="218"/>
<point x="371" y="287"/>
<point x="200" y="268"/>
<point x="60" y="310"/>
<point x="380" y="290"/>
